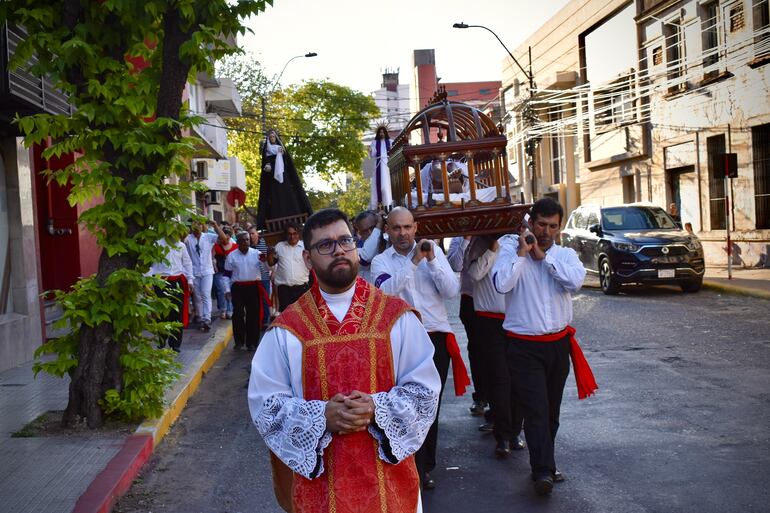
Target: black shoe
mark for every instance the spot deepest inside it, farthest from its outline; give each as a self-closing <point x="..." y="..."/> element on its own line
<point x="518" y="444"/>
<point x="237" y="347"/>
<point x="558" y="477"/>
<point x="176" y="349"/>
<point x="477" y="409"/>
<point x="487" y="427"/>
<point x="427" y="482"/>
<point x="502" y="449"/>
<point x="205" y="327"/>
<point x="251" y="348"/>
<point x="544" y="484"/>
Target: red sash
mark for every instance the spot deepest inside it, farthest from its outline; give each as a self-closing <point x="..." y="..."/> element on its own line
<point x="584" y="377"/>
<point x="491" y="315"/>
<point x="339" y="357"/>
<point x="459" y="372"/>
<point x="185" y="296"/>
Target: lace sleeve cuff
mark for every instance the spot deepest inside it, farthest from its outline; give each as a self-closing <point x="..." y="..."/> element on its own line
<point x="402" y="418"/>
<point x="295" y="430"/>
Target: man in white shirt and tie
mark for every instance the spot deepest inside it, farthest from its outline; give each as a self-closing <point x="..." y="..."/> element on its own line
<point x="246" y="293"/>
<point x="368" y="225"/>
<point x="420" y="274"/>
<point x="200" y="247"/>
<point x="177" y="270"/>
<point x="538" y="278"/>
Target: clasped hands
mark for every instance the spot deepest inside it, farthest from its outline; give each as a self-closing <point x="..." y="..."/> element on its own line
<point x="349" y="413"/>
<point x="533" y="249"/>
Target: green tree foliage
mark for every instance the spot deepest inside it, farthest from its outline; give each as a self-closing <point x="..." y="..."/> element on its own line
<point x="320" y="122"/>
<point x="128" y="125"/>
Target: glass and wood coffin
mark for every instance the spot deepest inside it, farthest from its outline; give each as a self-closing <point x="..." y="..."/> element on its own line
<point x="449" y="167"/>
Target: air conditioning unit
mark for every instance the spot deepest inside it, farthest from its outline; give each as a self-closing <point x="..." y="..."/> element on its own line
<point x="212" y="197"/>
<point x="200" y="168"/>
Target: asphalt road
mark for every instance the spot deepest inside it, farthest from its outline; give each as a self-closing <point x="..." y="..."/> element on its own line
<point x="680" y="423"/>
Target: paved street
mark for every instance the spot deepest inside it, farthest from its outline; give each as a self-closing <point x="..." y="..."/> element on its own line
<point x="679" y="423"/>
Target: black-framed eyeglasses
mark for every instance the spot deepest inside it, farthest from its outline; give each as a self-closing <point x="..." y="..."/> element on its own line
<point x="329" y="246"/>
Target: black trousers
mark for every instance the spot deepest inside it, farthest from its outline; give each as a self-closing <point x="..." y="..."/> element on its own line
<point x="539" y="371"/>
<point x="475" y="350"/>
<point x="425" y="457"/>
<point x="175" y="293"/>
<point x="246" y="312"/>
<point x="288" y="294"/>
<point x="503" y="397"/>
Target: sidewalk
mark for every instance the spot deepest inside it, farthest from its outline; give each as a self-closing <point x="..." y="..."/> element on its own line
<point x="750" y="282"/>
<point x="86" y="472"/>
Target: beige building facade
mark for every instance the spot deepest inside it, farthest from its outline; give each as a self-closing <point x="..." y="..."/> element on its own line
<point x="633" y="100"/>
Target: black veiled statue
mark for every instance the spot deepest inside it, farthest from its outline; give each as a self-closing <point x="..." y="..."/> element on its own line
<point x="280" y="190"/>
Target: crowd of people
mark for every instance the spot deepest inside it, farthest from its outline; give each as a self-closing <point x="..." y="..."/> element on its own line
<point x="346" y="385"/>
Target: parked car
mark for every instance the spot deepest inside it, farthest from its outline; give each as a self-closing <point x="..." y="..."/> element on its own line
<point x="634" y="244"/>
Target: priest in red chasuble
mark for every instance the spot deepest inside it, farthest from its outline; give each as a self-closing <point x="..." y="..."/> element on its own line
<point x="343" y="387"/>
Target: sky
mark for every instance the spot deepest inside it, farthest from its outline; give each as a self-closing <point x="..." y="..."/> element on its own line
<point x="357" y="39"/>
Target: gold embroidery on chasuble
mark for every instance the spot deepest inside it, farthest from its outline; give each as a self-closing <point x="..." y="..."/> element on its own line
<point x="340" y="357"/>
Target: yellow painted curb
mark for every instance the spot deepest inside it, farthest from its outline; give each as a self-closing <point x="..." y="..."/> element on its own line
<point x="186" y="387"/>
<point x="732" y="289"/>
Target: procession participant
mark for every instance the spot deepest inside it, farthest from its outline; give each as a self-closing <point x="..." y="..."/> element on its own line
<point x="537" y="277"/>
<point x="246" y="292"/>
<point x="368" y="225"/>
<point x="221" y="276"/>
<point x="343" y="388"/>
<point x="420" y="275"/>
<point x="177" y="270"/>
<point x="489" y="307"/>
<point x="291" y="275"/>
<point x="200" y="246"/>
<point x="458" y="249"/>
<point x="281" y="193"/>
<point x="381" y="195"/>
<point x="258" y="242"/>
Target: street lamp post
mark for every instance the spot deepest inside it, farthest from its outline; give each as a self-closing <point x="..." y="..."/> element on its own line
<point x="263" y="99"/>
<point x="530" y="145"/>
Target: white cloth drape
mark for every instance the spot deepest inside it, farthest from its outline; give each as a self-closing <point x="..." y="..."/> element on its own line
<point x="275" y="149"/>
<point x="380" y="167"/>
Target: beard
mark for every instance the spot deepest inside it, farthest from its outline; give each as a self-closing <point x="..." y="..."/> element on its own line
<point x="339" y="277"/>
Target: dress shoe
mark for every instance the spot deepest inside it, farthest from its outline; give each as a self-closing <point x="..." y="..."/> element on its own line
<point x="518" y="444"/>
<point x="427" y="482"/>
<point x="205" y="327"/>
<point x="544" y="484"/>
<point x="487" y="427"/>
<point x="477" y="409"/>
<point x="502" y="449"/>
<point x="558" y="477"/>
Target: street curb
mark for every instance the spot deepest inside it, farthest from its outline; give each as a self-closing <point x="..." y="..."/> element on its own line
<point x="732" y="289"/>
<point x="117" y="477"/>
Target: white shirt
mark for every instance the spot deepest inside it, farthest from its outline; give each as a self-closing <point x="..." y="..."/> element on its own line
<point x="200" y="252"/>
<point x="295" y="429"/>
<point x="244" y="267"/>
<point x="366" y="253"/>
<point x="537" y="292"/>
<point x="485" y="297"/>
<point x="290" y="269"/>
<point x="458" y="251"/>
<point x="177" y="262"/>
<point x="424" y="286"/>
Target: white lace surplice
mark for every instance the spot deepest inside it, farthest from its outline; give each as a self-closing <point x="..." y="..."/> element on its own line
<point x="295" y="429"/>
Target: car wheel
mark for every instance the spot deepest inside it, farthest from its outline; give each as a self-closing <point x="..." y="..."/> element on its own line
<point x="608" y="283"/>
<point x="691" y="286"/>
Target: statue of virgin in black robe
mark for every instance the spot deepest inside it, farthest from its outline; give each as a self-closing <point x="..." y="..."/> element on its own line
<point x="280" y="190"/>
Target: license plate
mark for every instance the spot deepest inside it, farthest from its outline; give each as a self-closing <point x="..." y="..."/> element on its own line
<point x="666" y="273"/>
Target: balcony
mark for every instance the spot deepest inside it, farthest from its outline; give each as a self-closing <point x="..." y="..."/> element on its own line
<point x="213" y="137"/>
<point x="223" y="99"/>
<point x="20" y="91"/>
<point x="237" y="174"/>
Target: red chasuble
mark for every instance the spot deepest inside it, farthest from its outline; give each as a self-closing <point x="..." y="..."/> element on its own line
<point x="339" y="357"/>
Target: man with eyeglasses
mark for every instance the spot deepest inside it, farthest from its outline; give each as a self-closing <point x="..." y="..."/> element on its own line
<point x="200" y="247"/>
<point x="420" y="274"/>
<point x="290" y="275"/>
<point x="343" y="388"/>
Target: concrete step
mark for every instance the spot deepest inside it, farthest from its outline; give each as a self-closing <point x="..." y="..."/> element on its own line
<point x="53" y="312"/>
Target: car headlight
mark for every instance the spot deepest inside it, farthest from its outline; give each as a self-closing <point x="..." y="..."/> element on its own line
<point x="693" y="245"/>
<point x="625" y="246"/>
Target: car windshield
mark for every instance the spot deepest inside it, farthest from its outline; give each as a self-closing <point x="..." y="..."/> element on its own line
<point x="636" y="218"/>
